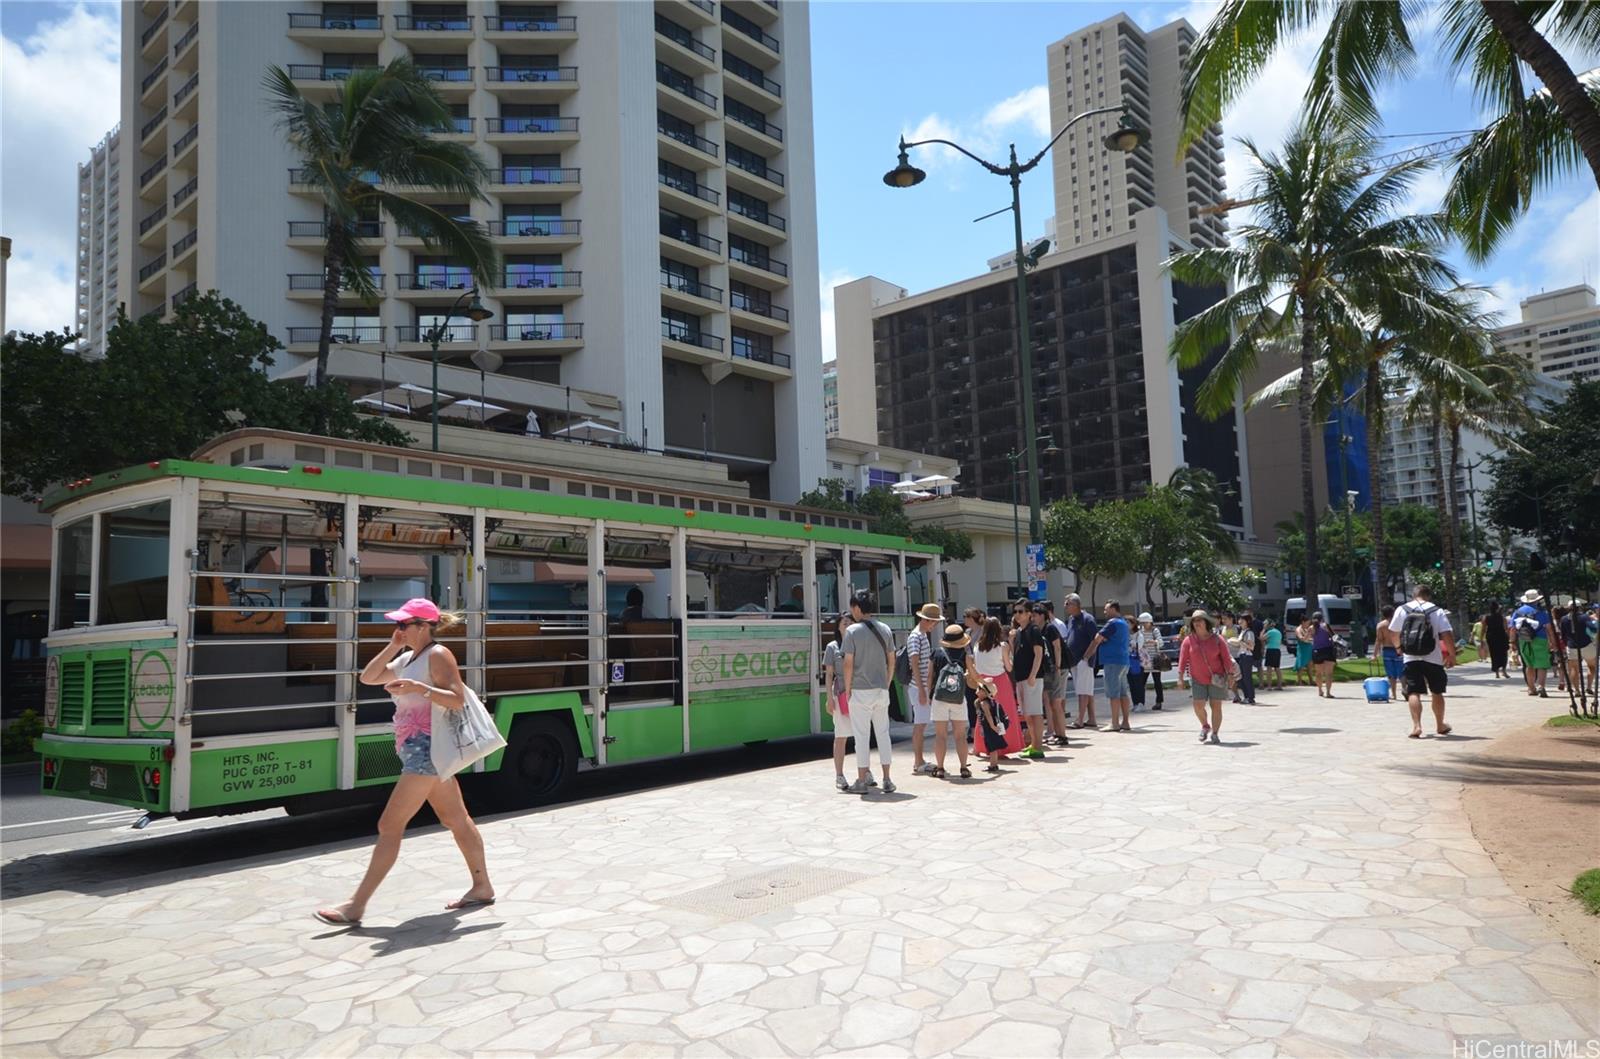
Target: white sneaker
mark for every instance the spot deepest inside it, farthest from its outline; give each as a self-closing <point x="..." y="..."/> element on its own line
<point x="858" y="787"/>
<point x="840" y="782"/>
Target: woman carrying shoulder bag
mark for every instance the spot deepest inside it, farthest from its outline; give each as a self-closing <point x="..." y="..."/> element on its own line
<point x="419" y="674"/>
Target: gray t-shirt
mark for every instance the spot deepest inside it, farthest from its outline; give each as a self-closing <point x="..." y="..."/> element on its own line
<point x="870" y="650"/>
<point x="831" y="657"/>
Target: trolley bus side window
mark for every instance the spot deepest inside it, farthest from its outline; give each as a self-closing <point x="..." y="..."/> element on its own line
<point x="74" y="558"/>
<point x="134" y="558"/>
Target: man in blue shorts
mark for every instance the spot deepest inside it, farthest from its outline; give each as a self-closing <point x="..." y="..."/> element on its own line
<point x="1110" y="649"/>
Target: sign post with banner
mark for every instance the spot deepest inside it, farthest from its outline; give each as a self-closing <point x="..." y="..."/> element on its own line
<point x="1036" y="582"/>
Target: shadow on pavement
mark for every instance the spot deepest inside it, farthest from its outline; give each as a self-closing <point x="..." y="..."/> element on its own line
<point x="1563" y="777"/>
<point x="1310" y="731"/>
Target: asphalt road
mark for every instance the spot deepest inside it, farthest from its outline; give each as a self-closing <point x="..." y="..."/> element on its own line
<point x="61" y="844"/>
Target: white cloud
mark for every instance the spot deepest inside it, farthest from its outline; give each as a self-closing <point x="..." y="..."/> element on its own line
<point x="60" y="91"/>
<point x="1572" y="254"/>
<point x="983" y="134"/>
<point x="829" y="279"/>
<point x="1029" y="108"/>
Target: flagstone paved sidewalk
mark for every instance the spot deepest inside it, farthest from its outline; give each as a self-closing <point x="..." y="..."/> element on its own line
<point x="1309" y="888"/>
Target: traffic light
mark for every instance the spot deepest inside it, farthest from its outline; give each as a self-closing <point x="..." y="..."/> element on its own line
<point x="1488" y="561"/>
<point x="1438" y="564"/>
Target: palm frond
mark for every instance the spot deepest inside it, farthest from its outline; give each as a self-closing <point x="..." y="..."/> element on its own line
<point x="1233" y="49"/>
<point x="465" y="241"/>
<point x="1365" y="43"/>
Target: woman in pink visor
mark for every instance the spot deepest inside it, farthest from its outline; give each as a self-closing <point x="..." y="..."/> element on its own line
<point x="419" y="674"/>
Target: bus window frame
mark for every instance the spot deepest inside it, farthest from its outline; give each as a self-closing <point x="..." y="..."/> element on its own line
<point x="140" y="495"/>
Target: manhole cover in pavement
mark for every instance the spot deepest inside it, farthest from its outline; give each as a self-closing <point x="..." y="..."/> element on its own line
<point x="752" y="895"/>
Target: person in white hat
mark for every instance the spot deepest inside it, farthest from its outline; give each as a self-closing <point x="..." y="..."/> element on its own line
<point x="1146" y="649"/>
<point x="1532" y="624"/>
<point x="919" y="651"/>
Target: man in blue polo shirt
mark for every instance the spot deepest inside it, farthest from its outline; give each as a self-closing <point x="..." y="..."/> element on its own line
<point x="1080" y="634"/>
<point x="1109" y="648"/>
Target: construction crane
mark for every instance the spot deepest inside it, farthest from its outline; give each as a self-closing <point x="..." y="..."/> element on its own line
<point x="1432" y="149"/>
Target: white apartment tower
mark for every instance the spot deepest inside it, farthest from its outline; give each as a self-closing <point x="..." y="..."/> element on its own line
<point x="1115" y="63"/>
<point x="1559" y="334"/>
<point x="651" y="194"/>
<point x="830" y="399"/>
<point x="99" y="218"/>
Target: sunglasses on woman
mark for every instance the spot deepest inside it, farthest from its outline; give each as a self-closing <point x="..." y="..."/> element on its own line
<point x="409" y="624"/>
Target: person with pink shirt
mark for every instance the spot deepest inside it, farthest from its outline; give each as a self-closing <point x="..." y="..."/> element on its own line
<point x="1204" y="658"/>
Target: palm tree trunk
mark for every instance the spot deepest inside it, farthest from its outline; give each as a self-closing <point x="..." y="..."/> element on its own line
<point x="1440" y="503"/>
<point x="1308" y="484"/>
<point x="1381" y="596"/>
<point x="332" y="266"/>
<point x="1452" y="547"/>
<point x="1576" y="108"/>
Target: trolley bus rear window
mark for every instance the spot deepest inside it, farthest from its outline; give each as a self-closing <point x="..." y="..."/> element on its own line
<point x="133" y="564"/>
<point x="74" y="561"/>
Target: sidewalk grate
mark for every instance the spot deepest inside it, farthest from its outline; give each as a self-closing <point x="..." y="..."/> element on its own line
<point x="753" y="895"/>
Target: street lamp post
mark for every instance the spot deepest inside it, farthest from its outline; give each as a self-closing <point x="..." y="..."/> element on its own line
<point x="1125" y="138"/>
<point x="476" y="312"/>
<point x="1016" y="522"/>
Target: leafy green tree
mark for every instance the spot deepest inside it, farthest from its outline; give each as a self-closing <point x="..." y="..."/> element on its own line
<point x="381" y="133"/>
<point x="1531" y="140"/>
<point x="1548" y="482"/>
<point x="1204" y="582"/>
<point x="885" y="512"/>
<point x="1069" y="530"/>
<point x="162" y="390"/>
<point x="1325" y="240"/>
<point x="1478" y="587"/>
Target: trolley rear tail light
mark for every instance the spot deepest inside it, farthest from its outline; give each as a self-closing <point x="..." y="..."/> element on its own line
<point x="49" y="766"/>
<point x="151" y="777"/>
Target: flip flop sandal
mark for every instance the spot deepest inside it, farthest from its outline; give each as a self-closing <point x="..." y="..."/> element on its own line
<point x="966" y="772"/>
<point x="336" y="919"/>
<point x="992" y="768"/>
<point x="469" y="902"/>
<point x="1414" y="735"/>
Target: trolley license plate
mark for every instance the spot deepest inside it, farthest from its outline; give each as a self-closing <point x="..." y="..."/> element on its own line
<point x="97" y="777"/>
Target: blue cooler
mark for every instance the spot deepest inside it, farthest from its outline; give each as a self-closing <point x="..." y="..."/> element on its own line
<point x="1377" y="689"/>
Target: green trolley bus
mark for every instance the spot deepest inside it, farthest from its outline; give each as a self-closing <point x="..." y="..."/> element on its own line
<point x="209" y="616"/>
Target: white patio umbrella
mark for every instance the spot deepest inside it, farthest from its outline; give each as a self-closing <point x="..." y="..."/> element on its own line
<point x="588" y="430"/>
<point x="470" y="405"/>
<point x="375" y="401"/>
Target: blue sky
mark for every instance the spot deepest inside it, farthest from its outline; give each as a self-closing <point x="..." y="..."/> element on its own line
<point x="971" y="71"/>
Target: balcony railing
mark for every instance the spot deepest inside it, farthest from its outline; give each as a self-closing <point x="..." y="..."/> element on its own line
<point x="532" y="125"/>
<point x="692" y="287"/>
<point x="319" y="229"/>
<point x="451" y="74"/>
<point x="153" y="267"/>
<point x="683" y="38"/>
<point x="690" y="336"/>
<point x="761" y="261"/>
<point x="760" y="215"/>
<point x="183" y="193"/>
<point x="151" y="77"/>
<point x="693" y="238"/>
<point x="151" y="125"/>
<point x="755" y="121"/>
<point x="453" y="279"/>
<point x="757" y="169"/>
<point x="745" y="351"/>
<point x="447" y="333"/>
<point x="184" y="295"/>
<point x="530" y="23"/>
<point x="457" y="124"/>
<point x="184" y="92"/>
<point x="154" y="171"/>
<point x="185" y="243"/>
<point x="534" y="226"/>
<point x="684" y="85"/>
<point x="705" y="5"/>
<point x="540" y="278"/>
<point x="310" y="176"/>
<point x="153" y="218"/>
<point x="746" y="72"/>
<point x="155" y="27"/>
<point x="321" y="21"/>
<point x="313" y="281"/>
<point x="317" y="72"/>
<point x="531" y="73"/>
<point x="185" y="140"/>
<point x="183" y="42"/>
<point x="357" y="333"/>
<point x="698" y="142"/>
<point x="533" y="174"/>
<point x="745" y="303"/>
<point x="433" y="23"/>
<point x="552" y="331"/>
<point x="690" y="187"/>
<point x="736" y="21"/>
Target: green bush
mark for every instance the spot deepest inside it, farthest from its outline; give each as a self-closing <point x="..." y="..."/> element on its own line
<point x="17" y="740"/>
<point x="1586" y="888"/>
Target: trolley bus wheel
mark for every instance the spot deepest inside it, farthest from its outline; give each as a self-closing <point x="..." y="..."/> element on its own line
<point x="541" y="758"/>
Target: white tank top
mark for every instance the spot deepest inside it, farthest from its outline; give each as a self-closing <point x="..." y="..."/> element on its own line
<point x="988" y="663"/>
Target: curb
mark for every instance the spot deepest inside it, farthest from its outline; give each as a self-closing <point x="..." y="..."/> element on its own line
<point x="19" y="768"/>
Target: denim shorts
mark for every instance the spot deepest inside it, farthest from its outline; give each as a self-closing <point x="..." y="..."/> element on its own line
<point x="1116" y="679"/>
<point x="416" y="756"/>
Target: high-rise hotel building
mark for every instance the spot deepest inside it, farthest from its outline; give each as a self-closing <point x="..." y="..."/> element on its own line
<point x="651" y="195"/>
<point x="99" y="240"/>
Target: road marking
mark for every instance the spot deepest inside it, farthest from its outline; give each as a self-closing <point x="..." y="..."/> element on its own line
<point x="131" y="815"/>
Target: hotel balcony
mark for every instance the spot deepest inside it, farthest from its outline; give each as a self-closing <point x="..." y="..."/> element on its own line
<point x="339" y="32"/>
<point x="539" y="29"/>
<point x="307" y="286"/>
<point x="531" y="131"/>
<point x="535" y="183"/>
<point x="314" y="234"/>
<point x="532" y="82"/>
<point x="301" y="338"/>
<point x="537" y="284"/>
<point x="690" y="295"/>
<point x="555" y="336"/>
<point x="536" y="232"/>
<point x="757" y="315"/>
<point x="688" y="197"/>
<point x="691" y="344"/>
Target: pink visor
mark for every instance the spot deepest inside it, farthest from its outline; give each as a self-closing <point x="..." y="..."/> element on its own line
<point x="423" y="609"/>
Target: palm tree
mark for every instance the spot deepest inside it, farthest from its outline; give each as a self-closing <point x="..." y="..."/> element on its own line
<point x="1323" y="241"/>
<point x="1201" y="495"/>
<point x="1367" y="42"/>
<point x="379" y="134"/>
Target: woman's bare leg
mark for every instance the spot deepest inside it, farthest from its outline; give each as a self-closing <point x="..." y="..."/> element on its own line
<point x="1216" y="716"/>
<point x="409" y="793"/>
<point x="452" y="813"/>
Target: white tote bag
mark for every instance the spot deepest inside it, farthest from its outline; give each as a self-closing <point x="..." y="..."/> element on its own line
<point x="462" y="737"/>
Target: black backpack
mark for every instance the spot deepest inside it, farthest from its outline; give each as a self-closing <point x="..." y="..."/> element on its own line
<point x="1416" y="632"/>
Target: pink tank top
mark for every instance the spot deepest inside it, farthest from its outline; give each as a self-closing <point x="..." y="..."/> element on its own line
<point x="413" y="714"/>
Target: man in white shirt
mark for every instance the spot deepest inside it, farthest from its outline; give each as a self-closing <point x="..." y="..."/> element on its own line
<point x="1428" y="646"/>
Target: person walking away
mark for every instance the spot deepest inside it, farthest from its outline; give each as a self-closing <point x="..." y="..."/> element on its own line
<point x="1427" y="644"/>
<point x="1258" y="627"/>
<point x="1496" y="640"/>
<point x="1477" y="640"/>
<point x="1081" y="632"/>
<point x="1303" y="650"/>
<point x="1393" y="663"/>
<point x="868" y="653"/>
<point x="1109" y="650"/>
<point x="1230" y="636"/>
<point x="1147" y="644"/>
<point x="833" y="681"/>
<point x="1558" y="647"/>
<point x="1246" y="658"/>
<point x="1203" y="658"/>
<point x="919" y="651"/>
<point x="1323" y="654"/>
<point x="1578" y="630"/>
<point x="1532" y="623"/>
<point x="1055" y="685"/>
<point x="1136" y="672"/>
<point x="992" y="720"/>
<point x="991" y="657"/>
<point x="1027" y="661"/>
<point x="950" y="701"/>
<point x="1272" y="655"/>
<point x="418" y="674"/>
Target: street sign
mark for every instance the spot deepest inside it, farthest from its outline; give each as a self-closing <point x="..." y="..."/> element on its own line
<point x="1036" y="582"/>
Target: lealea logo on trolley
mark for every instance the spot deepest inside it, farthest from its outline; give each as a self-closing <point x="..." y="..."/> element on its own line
<point x="153" y="689"/>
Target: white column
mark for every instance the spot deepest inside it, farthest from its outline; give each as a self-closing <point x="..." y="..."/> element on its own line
<point x="599" y="667"/>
